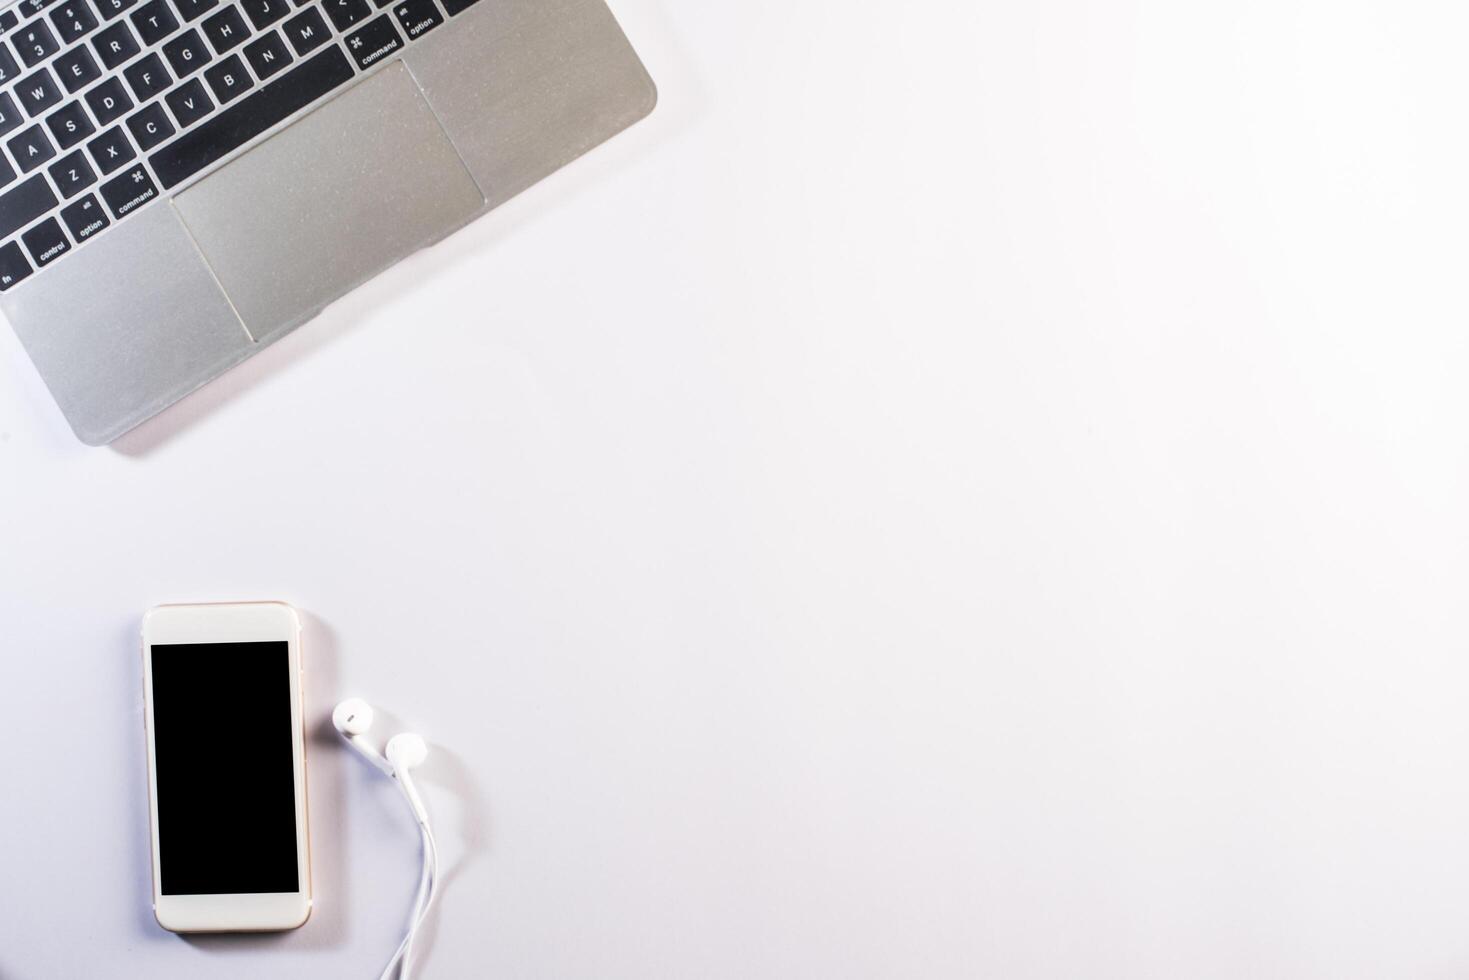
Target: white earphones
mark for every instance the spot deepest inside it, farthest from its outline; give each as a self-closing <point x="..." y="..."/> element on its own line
<point x="353" y="719"/>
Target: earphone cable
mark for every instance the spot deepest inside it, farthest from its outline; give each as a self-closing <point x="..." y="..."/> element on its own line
<point x="431" y="861"/>
<point x="427" y="890"/>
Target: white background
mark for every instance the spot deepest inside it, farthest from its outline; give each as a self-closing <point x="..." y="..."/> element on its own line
<point x="965" y="490"/>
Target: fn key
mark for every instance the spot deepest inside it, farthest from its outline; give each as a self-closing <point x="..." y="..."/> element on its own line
<point x="13" y="266"/>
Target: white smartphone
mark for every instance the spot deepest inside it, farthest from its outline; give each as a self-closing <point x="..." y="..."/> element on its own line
<point x="226" y="767"/>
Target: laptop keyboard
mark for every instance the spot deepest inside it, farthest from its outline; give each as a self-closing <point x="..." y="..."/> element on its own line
<point x="106" y="105"/>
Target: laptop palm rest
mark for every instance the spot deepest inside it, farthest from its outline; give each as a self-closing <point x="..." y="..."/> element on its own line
<point x="329" y="203"/>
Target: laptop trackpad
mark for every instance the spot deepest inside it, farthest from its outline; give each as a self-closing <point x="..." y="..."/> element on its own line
<point x="329" y="202"/>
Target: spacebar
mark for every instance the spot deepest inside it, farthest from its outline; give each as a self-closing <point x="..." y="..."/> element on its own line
<point x="247" y="119"/>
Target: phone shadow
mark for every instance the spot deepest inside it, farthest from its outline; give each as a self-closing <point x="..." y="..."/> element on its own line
<point x="142" y="829"/>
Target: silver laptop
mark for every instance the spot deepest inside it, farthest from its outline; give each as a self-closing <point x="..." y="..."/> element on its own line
<point x="183" y="182"/>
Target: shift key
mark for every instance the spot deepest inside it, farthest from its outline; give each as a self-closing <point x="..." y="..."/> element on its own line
<point x="25" y="203"/>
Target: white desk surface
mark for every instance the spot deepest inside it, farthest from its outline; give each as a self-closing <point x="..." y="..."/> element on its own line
<point x="966" y="490"/>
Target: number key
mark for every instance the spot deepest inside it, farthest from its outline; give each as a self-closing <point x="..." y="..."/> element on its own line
<point x="35" y="42"/>
<point x="111" y="8"/>
<point x="73" y="20"/>
<point x="8" y="68"/>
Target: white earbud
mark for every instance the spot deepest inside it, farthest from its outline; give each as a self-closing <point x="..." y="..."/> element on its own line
<point x="353" y="719"/>
<point x="404" y="752"/>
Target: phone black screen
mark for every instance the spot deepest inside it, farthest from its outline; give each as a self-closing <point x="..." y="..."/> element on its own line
<point x="225" y="768"/>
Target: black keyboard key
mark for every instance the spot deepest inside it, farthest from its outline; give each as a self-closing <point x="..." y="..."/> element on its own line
<point x="24" y="203"/>
<point x="72" y="174"/>
<point x="150" y="126"/>
<point x="38" y="92"/>
<point x="32" y="7"/>
<point x="267" y="55"/>
<point x="8" y="20"/>
<point x="129" y="191"/>
<point x="9" y="70"/>
<point x="228" y="79"/>
<point x="111" y="8"/>
<point x="85" y="218"/>
<point x="345" y="13"/>
<point x="7" y="172"/>
<point x="46" y="242"/>
<point x="115" y="45"/>
<point x="77" y="68"/>
<point x="186" y="53"/>
<point x="13" y="266"/>
<point x="456" y="7"/>
<point x="10" y="116"/>
<point x="73" y="19"/>
<point x="30" y="148"/>
<point x="226" y="29"/>
<point x="109" y="101"/>
<point x="35" y="42"/>
<point x="148" y="77"/>
<point x="374" y="42"/>
<point x="240" y="123"/>
<point x="417" y="17"/>
<point x="154" y="21"/>
<point x="111" y="150"/>
<point x="263" y="13"/>
<point x="191" y="10"/>
<point x="70" y="124"/>
<point x="307" y="31"/>
<point x="189" y="102"/>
